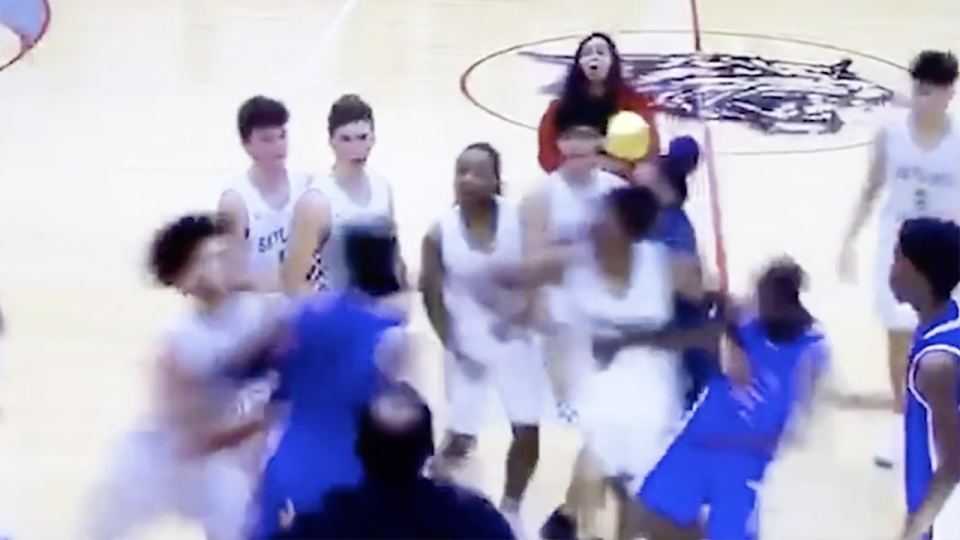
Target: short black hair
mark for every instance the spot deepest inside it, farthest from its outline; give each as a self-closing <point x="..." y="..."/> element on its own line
<point x="933" y="247"/>
<point x="937" y="68"/>
<point x="636" y="208"/>
<point x="371" y="253"/>
<point x="494" y="158"/>
<point x="260" y="112"/>
<point x="786" y="277"/>
<point x="348" y="109"/>
<point x="175" y="244"/>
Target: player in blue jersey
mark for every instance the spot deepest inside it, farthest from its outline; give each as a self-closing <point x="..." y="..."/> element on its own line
<point x="924" y="274"/>
<point x="668" y="177"/>
<point x="337" y="350"/>
<point x="722" y="452"/>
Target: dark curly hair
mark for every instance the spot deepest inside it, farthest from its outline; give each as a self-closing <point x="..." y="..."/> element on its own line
<point x="577" y="106"/>
<point x="175" y="245"/>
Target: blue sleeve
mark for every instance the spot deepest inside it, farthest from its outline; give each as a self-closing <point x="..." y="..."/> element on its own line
<point x="677" y="233"/>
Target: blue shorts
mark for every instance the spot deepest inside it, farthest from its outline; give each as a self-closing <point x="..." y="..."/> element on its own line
<point x="689" y="477"/>
<point x="299" y="476"/>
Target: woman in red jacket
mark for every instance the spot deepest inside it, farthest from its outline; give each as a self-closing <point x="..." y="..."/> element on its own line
<point x="593" y="91"/>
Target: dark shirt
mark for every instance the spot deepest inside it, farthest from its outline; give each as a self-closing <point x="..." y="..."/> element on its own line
<point x="427" y="510"/>
<point x="674" y="229"/>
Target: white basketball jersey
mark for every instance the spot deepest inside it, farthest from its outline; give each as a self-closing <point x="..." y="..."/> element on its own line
<point x="919" y="182"/>
<point x="268" y="228"/>
<point x="472" y="321"/>
<point x="571" y="210"/>
<point x="345" y="209"/>
<point x="200" y="339"/>
<point x="648" y="300"/>
<point x="598" y="310"/>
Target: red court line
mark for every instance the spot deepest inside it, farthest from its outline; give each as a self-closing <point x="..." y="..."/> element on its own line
<point x="43" y="31"/>
<point x="710" y="168"/>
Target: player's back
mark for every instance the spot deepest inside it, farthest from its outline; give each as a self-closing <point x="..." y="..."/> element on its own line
<point x="920" y="181"/>
<point x="755" y="416"/>
<point x="941" y="334"/>
<point x="328" y="378"/>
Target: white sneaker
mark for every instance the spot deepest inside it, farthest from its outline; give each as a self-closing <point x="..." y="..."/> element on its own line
<point x="890" y="451"/>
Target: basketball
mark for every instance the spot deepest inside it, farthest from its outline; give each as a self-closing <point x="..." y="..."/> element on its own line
<point x="628" y="136"/>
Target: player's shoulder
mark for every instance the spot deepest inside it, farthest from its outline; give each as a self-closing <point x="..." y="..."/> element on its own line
<point x="313" y="199"/>
<point x="236" y="181"/>
<point x="608" y="180"/>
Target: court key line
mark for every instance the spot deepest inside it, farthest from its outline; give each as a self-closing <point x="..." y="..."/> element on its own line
<point x="710" y="166"/>
<point x="318" y="52"/>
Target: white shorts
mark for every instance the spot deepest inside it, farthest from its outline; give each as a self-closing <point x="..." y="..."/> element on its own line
<point x="894" y="315"/>
<point x="516" y="374"/>
<point x="145" y="481"/>
<point x="630" y="411"/>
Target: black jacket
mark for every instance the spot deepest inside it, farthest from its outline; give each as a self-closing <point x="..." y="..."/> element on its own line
<point x="426" y="510"/>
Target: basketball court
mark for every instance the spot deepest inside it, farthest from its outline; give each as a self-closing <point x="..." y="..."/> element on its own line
<point x="123" y="115"/>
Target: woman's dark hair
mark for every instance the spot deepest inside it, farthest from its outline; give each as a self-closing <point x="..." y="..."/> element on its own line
<point x="577" y="106"/>
<point x="494" y="155"/>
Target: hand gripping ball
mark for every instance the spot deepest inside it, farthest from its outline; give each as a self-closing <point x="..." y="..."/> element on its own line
<point x="628" y="136"/>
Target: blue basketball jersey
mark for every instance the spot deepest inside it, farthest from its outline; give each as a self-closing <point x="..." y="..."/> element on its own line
<point x="758" y="414"/>
<point x="722" y="452"/>
<point x="941" y="334"/>
<point x="327" y="377"/>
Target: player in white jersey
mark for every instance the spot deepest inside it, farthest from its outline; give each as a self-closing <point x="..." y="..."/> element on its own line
<point x="916" y="162"/>
<point x="178" y="461"/>
<point x="259" y="203"/>
<point x="560" y="209"/>
<point x="627" y="405"/>
<point x="482" y="228"/>
<point x="349" y="194"/>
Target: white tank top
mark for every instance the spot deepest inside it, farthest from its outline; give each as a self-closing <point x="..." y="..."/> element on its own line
<point x="472" y="320"/>
<point x="268" y="228"/>
<point x="648" y="301"/>
<point x="571" y="212"/>
<point x="199" y="339"/>
<point x="920" y="183"/>
<point x="329" y="268"/>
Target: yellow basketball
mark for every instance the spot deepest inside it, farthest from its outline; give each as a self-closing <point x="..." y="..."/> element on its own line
<point x="628" y="136"/>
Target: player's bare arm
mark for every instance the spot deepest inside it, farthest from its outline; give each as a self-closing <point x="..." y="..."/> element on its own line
<point x="233" y="209"/>
<point x="937" y="381"/>
<point x="431" y="285"/>
<point x="866" y="201"/>
<point x="311" y="225"/>
<point x="685" y="270"/>
<point x="535" y="237"/>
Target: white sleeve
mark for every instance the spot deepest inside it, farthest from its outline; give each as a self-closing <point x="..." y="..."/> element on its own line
<point x="393" y="352"/>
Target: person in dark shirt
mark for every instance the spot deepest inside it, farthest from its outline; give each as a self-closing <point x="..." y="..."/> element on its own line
<point x="395" y="500"/>
<point x="668" y="176"/>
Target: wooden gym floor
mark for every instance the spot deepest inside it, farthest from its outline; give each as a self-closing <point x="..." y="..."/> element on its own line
<point x="123" y="115"/>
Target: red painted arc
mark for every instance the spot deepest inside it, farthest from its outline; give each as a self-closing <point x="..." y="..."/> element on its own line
<point x="710" y="169"/>
<point x="26" y="50"/>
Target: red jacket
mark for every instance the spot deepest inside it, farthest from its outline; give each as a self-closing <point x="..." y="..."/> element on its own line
<point x="549" y="155"/>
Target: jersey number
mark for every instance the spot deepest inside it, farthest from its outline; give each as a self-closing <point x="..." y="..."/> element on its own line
<point x="920" y="201"/>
